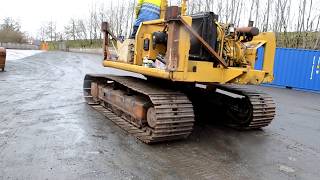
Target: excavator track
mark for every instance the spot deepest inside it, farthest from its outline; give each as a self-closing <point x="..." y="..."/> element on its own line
<point x="261" y="107"/>
<point x="172" y="112"/>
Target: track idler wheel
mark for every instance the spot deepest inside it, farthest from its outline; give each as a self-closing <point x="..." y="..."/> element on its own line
<point x="151" y="117"/>
<point x="240" y="112"/>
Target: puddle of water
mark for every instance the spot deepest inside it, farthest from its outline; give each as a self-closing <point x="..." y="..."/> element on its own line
<point x="286" y="169"/>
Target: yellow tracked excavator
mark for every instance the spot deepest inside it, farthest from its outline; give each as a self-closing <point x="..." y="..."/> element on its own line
<point x="193" y="66"/>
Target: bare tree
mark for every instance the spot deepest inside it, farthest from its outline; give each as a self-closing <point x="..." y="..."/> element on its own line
<point x="51" y="31"/>
<point x="294" y="26"/>
<point x="10" y="31"/>
<point x="70" y="30"/>
<point x="42" y="33"/>
<point x="82" y="30"/>
<point x="10" y="24"/>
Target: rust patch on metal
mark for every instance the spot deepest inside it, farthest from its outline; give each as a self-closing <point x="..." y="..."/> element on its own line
<point x="94" y="90"/>
<point x="172" y="119"/>
<point x="172" y="13"/>
<point x="3" y="55"/>
<point x="172" y="55"/>
<point x="253" y="31"/>
<point x="104" y="29"/>
<point x="135" y="106"/>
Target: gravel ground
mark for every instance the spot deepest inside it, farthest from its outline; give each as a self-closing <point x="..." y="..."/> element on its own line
<point x="48" y="132"/>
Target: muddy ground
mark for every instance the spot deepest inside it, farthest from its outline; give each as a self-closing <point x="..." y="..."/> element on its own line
<point x="48" y="132"/>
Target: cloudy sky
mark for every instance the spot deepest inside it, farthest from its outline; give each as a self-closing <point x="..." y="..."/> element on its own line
<point x="32" y="13"/>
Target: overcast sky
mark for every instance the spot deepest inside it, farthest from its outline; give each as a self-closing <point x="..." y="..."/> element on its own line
<point x="32" y="13"/>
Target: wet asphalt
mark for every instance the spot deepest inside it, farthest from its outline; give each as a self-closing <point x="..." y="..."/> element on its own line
<point x="48" y="132"/>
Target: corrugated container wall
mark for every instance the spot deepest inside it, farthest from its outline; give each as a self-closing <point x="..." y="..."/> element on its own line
<point x="295" y="68"/>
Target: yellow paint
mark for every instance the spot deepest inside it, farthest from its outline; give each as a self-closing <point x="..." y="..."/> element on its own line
<point x="138" y="69"/>
<point x="184" y="7"/>
<point x="145" y="31"/>
<point x="204" y="73"/>
<point x="188" y="70"/>
<point x="154" y="2"/>
<point x="268" y="40"/>
<point x="163" y="8"/>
